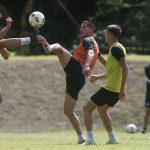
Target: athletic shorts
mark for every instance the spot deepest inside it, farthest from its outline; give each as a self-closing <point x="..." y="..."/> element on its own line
<point x="103" y="96"/>
<point x="147" y="96"/>
<point x="75" y="79"/>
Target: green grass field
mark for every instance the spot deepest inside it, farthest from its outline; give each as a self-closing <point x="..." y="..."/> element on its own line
<point x="66" y="140"/>
<point x="35" y="108"/>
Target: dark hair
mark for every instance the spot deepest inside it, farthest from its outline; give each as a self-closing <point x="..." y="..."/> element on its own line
<point x="115" y="30"/>
<point x="90" y="24"/>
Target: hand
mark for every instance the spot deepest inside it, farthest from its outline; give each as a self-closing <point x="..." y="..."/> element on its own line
<point x="93" y="78"/>
<point x="87" y="71"/>
<point x="43" y="42"/>
<point x="122" y="96"/>
<point x="8" y="22"/>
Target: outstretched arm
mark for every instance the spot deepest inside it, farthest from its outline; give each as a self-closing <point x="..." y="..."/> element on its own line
<point x="6" y="28"/>
<point x="94" y="78"/>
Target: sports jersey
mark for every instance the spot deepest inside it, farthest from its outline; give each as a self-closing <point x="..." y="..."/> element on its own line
<point x="113" y="68"/>
<point x="147" y="73"/>
<point x="81" y="51"/>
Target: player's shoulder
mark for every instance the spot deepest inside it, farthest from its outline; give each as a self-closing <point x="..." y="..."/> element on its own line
<point x="118" y="46"/>
<point x="118" y="51"/>
<point x="88" y="39"/>
<point x="88" y="43"/>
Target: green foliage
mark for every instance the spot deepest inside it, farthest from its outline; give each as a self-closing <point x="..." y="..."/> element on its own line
<point x="62" y="24"/>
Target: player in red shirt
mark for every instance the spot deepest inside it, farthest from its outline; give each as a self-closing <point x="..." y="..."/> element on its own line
<point x="76" y="67"/>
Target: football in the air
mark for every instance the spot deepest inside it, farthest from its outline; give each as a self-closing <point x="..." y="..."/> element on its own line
<point x="36" y="19"/>
<point x="131" y="128"/>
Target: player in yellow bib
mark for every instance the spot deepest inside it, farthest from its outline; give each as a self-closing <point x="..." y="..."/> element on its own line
<point x="114" y="86"/>
<point x="113" y="67"/>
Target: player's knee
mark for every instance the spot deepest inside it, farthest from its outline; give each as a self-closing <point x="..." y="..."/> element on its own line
<point x="68" y="113"/>
<point x="103" y="113"/>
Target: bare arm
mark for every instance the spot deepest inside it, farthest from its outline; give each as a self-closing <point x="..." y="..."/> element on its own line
<point x="102" y="60"/>
<point x="6" y="28"/>
<point x="94" y="78"/>
<point x="89" y="59"/>
<point x="124" y="66"/>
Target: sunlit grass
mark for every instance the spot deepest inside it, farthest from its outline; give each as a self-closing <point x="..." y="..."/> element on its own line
<point x="66" y="140"/>
<point x="51" y="57"/>
<point x="135" y="57"/>
<point x="132" y="57"/>
<point x="46" y="56"/>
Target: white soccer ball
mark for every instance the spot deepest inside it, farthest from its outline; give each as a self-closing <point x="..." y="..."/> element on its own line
<point x="36" y="19"/>
<point x="131" y="128"/>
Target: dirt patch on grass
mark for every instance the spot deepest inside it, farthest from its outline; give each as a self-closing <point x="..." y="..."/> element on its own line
<point x="33" y="95"/>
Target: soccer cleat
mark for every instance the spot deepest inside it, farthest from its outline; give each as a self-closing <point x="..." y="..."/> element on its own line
<point x="89" y="143"/>
<point x="143" y="130"/>
<point x="112" y="142"/>
<point x="81" y="141"/>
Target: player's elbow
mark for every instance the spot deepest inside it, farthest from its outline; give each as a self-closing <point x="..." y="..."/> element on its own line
<point x="91" y="53"/>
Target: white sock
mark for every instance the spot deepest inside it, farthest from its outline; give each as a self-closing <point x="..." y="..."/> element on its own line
<point x="111" y="135"/>
<point x="49" y="48"/>
<point x="90" y="136"/>
<point x="25" y="41"/>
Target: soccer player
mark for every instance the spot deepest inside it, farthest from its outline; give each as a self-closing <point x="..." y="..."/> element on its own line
<point x="76" y="67"/>
<point x="10" y="43"/>
<point x="147" y="99"/>
<point x="3" y="31"/>
<point x="114" y="86"/>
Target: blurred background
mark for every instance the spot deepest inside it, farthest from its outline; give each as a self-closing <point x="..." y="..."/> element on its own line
<point x="63" y="19"/>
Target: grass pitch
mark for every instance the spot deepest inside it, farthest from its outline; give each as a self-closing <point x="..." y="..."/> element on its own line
<point x="32" y="107"/>
<point x="66" y="140"/>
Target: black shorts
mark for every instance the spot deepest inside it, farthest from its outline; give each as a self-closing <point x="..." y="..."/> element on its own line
<point x="103" y="96"/>
<point x="75" y="79"/>
<point x="147" y="96"/>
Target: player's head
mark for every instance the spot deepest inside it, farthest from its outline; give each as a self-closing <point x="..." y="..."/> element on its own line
<point x="115" y="30"/>
<point x="87" y="28"/>
<point x="112" y="32"/>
